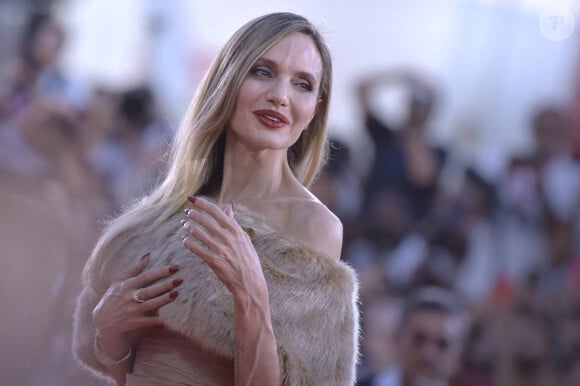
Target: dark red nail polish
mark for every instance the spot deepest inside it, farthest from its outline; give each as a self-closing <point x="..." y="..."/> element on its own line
<point x="173" y="294"/>
<point x="145" y="256"/>
<point x="183" y="222"/>
<point x="173" y="269"/>
<point x="177" y="282"/>
<point x="192" y="199"/>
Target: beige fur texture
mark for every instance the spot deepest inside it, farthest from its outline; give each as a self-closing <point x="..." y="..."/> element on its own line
<point x="313" y="301"/>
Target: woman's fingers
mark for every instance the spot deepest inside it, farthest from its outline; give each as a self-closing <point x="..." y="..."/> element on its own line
<point x="200" y="250"/>
<point x="203" y="221"/>
<point x="152" y="275"/>
<point x="158" y="289"/>
<point x="201" y="233"/>
<point x="132" y="302"/>
<point x="135" y="274"/>
<point x="215" y="236"/>
<point x="211" y="226"/>
<point x="155" y="303"/>
<point x="135" y="269"/>
<point x="207" y="211"/>
<point x="229" y="211"/>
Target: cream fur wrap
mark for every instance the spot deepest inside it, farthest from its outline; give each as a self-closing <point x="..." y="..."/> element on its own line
<point x="313" y="301"/>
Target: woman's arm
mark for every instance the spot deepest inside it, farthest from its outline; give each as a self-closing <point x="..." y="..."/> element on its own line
<point x="218" y="239"/>
<point x="256" y="354"/>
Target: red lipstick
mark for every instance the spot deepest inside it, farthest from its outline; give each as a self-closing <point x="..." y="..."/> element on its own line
<point x="271" y="118"/>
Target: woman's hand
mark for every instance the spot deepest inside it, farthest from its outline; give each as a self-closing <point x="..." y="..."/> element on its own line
<point x="131" y="303"/>
<point x="216" y="237"/>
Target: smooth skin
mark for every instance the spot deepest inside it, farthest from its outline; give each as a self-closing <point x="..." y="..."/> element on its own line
<point x="256" y="175"/>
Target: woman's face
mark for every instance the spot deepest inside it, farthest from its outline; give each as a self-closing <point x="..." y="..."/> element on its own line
<point x="278" y="97"/>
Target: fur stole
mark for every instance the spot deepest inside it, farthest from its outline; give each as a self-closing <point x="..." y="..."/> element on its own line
<point x="313" y="301"/>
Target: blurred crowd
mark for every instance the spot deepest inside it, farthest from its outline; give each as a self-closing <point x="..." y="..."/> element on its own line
<point x="71" y="156"/>
<point x="503" y="255"/>
<point x="463" y="280"/>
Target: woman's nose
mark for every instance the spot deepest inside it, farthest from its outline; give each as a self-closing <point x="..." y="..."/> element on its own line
<point x="278" y="94"/>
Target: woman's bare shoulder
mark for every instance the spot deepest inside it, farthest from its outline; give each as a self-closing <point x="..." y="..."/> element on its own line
<point x="314" y="225"/>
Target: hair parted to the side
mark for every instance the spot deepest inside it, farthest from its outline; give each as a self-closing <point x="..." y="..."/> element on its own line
<point x="195" y="162"/>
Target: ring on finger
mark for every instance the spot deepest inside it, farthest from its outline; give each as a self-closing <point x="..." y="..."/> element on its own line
<point x="137" y="296"/>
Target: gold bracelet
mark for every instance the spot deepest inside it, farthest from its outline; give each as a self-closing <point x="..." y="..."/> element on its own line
<point x="104" y="359"/>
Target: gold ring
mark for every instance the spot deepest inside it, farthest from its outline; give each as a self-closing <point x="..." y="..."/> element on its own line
<point x="137" y="295"/>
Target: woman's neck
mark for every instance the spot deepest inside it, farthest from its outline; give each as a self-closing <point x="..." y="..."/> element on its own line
<point x="250" y="176"/>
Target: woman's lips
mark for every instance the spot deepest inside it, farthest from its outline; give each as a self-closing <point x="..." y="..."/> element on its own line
<point x="271" y="118"/>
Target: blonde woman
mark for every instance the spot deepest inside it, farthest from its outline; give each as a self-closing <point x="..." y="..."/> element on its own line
<point x="240" y="282"/>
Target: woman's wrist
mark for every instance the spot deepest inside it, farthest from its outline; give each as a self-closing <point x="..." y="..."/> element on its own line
<point x="253" y="309"/>
<point x="111" y="351"/>
<point x="252" y="298"/>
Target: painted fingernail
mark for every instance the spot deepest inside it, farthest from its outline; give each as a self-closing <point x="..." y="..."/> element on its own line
<point x="173" y="269"/>
<point x="177" y="282"/>
<point x="173" y="294"/>
<point x="192" y="199"/>
<point x="183" y="222"/>
<point x="145" y="256"/>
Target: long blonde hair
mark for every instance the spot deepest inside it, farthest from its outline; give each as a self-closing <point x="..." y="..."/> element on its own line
<point x="195" y="162"/>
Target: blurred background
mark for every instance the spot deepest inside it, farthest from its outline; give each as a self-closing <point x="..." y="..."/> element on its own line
<point x="455" y="129"/>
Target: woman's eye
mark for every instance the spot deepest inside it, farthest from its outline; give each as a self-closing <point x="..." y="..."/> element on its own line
<point x="305" y="86"/>
<point x="261" y="72"/>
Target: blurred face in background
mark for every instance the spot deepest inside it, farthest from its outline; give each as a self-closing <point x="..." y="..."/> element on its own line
<point x="47" y="43"/>
<point x="430" y="346"/>
<point x="551" y="133"/>
<point x="389" y="217"/>
<point x="531" y="344"/>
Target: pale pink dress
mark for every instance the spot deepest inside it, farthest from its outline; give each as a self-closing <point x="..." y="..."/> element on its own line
<point x="169" y="359"/>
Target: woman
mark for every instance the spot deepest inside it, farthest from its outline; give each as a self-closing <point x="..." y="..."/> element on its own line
<point x="263" y="298"/>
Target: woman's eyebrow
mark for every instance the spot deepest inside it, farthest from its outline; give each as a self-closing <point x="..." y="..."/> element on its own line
<point x="302" y="74"/>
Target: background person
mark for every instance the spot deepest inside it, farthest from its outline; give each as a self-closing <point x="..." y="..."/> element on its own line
<point x="429" y="341"/>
